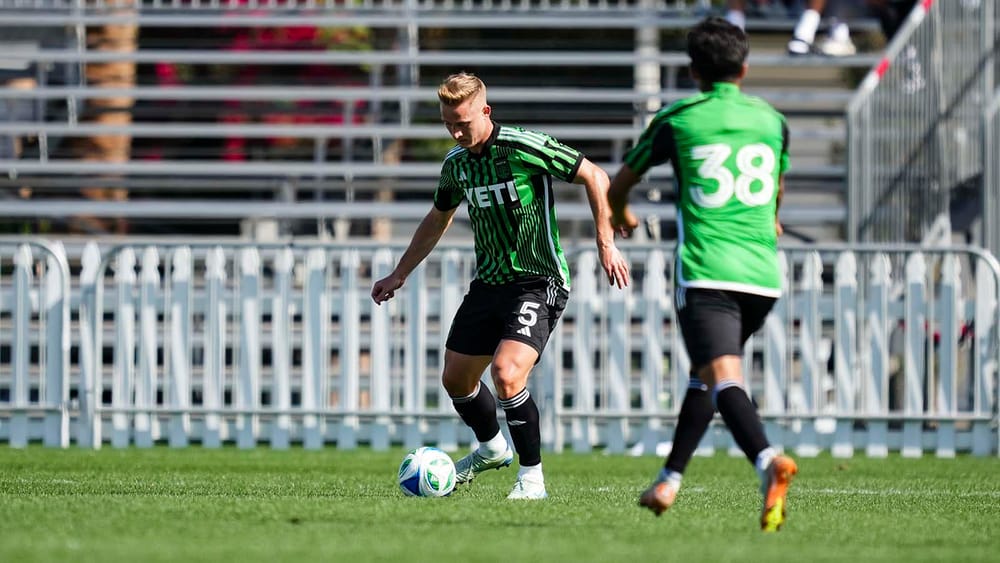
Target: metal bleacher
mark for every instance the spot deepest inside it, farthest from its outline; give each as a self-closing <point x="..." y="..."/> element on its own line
<point x="317" y="116"/>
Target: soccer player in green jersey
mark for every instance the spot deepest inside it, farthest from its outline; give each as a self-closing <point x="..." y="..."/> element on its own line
<point x="729" y="152"/>
<point x="522" y="279"/>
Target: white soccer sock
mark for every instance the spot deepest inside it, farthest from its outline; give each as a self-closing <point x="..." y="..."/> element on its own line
<point x="669" y="476"/>
<point x="805" y="30"/>
<point x="533" y="472"/>
<point x="764" y="460"/>
<point x="737" y="18"/>
<point x="494" y="446"/>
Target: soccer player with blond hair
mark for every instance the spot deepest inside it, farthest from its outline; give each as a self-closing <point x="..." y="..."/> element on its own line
<point x="505" y="175"/>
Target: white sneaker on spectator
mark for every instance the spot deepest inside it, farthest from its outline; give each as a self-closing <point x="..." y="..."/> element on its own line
<point x="798" y="47"/>
<point x="837" y="47"/>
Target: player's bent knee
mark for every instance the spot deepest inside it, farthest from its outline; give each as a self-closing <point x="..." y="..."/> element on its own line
<point x="459" y="384"/>
<point x="509" y="376"/>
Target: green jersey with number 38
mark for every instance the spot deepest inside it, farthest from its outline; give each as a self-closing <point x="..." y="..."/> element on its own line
<point x="728" y="151"/>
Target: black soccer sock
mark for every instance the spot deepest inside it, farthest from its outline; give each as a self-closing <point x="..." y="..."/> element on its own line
<point x="522" y="421"/>
<point x="741" y="417"/>
<point x="692" y="422"/>
<point x="479" y="412"/>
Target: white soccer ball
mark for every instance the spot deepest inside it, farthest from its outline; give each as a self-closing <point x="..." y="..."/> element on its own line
<point x="427" y="472"/>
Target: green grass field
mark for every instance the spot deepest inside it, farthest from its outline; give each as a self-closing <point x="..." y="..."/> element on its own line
<point x="262" y="505"/>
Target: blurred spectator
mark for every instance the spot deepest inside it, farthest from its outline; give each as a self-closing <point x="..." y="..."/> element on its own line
<point x="736" y="10"/>
<point x="116" y="111"/>
<point x="16" y="77"/>
<point x="22" y="75"/>
<point x="16" y="74"/>
<point x="837" y="44"/>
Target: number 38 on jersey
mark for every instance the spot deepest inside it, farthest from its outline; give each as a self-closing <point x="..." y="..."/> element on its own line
<point x="754" y="183"/>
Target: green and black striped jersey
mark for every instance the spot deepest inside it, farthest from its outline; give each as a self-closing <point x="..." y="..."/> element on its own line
<point x="511" y="206"/>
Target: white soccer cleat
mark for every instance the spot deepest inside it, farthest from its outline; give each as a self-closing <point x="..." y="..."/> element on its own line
<point x="475" y="463"/>
<point x="527" y="488"/>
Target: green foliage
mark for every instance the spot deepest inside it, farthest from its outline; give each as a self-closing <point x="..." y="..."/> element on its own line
<point x="263" y="505"/>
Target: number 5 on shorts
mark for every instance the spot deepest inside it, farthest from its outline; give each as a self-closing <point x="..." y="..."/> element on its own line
<point x="528" y="316"/>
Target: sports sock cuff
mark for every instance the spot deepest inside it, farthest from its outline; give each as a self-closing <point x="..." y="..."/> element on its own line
<point x="468" y="398"/>
<point x="517" y="400"/>
<point x="764" y="458"/>
<point x="722" y="386"/>
<point x="495" y="445"/>
<point x="670" y="476"/>
<point x="696" y="383"/>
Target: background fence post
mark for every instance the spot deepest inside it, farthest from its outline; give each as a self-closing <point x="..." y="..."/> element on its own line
<point x="381" y="338"/>
<point x="21" y="351"/>
<point x="655" y="303"/>
<point x="213" y="380"/>
<point x="946" y="402"/>
<point x="877" y="329"/>
<point x="247" y="392"/>
<point x="179" y="382"/>
<point x="88" y="431"/>
<point x="619" y="356"/>
<point x="809" y="344"/>
<point x="415" y="356"/>
<point x="281" y="349"/>
<point x="584" y="353"/>
<point x="451" y="298"/>
<point x="844" y="352"/>
<point x="124" y="349"/>
<point x="145" y="383"/>
<point x="914" y="353"/>
<point x="57" y="299"/>
<point x="986" y="342"/>
<point x="350" y="329"/>
<point x="776" y="357"/>
<point x="315" y="349"/>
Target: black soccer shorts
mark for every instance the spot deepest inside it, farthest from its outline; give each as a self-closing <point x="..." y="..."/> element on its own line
<point x="718" y="323"/>
<point x="525" y="310"/>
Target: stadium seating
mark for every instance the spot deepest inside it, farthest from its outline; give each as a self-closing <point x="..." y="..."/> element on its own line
<point x="287" y="112"/>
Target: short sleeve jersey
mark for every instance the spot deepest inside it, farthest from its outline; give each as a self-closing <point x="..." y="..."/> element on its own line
<point x="508" y="187"/>
<point x="728" y="152"/>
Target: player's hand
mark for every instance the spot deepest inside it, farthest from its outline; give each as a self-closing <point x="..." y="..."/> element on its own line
<point x="778" y="228"/>
<point x="615" y="265"/>
<point x="385" y="288"/>
<point x="623" y="221"/>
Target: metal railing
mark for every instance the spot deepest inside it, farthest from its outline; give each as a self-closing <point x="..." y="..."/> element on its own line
<point x="280" y="344"/>
<point x="915" y="126"/>
<point x="991" y="173"/>
<point x="362" y="6"/>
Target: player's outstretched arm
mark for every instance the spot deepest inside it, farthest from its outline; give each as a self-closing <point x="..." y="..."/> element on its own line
<point x="596" y="182"/>
<point x="425" y="238"/>
<point x="623" y="221"/>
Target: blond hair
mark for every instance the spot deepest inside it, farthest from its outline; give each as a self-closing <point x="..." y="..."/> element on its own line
<point x="460" y="87"/>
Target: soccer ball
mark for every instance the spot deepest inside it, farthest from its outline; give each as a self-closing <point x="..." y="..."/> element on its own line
<point x="427" y="472"/>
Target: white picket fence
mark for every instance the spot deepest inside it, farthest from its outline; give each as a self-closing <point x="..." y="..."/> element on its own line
<point x="873" y="348"/>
